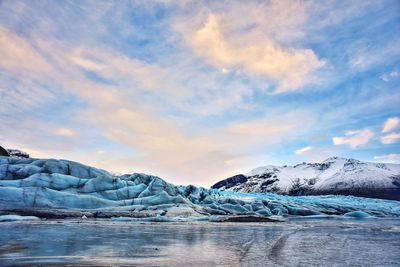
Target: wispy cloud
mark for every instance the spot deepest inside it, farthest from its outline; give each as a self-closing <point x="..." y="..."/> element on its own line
<point x="387" y="77"/>
<point x="354" y="138"/>
<point x="363" y="56"/>
<point x="18" y="55"/>
<point x="291" y="68"/>
<point x="390" y="124"/>
<point x="303" y="150"/>
<point x="390" y="138"/>
<point x="388" y="158"/>
<point x="65" y="132"/>
<point x="163" y="145"/>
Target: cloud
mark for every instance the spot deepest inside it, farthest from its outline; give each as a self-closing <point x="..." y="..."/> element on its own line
<point x="390" y="138"/>
<point x="65" y="132"/>
<point x="292" y="68"/>
<point x="17" y="54"/>
<point x="354" y="139"/>
<point x="390" y="124"/>
<point x="387" y="77"/>
<point x="363" y="56"/>
<point x="267" y="43"/>
<point x="388" y="158"/>
<point x="320" y="153"/>
<point x="100" y="152"/>
<point x="118" y="68"/>
<point x="303" y="150"/>
<point x="260" y="127"/>
<point x="162" y="144"/>
<point x="39" y="136"/>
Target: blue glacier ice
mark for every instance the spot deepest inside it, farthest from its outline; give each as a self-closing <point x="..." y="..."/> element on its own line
<point x="63" y="184"/>
<point x="357" y="214"/>
<point x="12" y="218"/>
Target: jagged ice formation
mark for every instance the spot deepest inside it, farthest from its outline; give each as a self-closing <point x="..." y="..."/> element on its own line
<point x="62" y="184"/>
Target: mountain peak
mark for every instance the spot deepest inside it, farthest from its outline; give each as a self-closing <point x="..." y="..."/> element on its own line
<point x="335" y="175"/>
<point x="334" y="158"/>
<point x="339" y="159"/>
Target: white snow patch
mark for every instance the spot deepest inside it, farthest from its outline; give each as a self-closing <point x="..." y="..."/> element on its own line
<point x="11" y="218"/>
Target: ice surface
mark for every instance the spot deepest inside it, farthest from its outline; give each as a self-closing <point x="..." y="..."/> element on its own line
<point x="11" y="218"/>
<point x="182" y="211"/>
<point x="357" y="214"/>
<point x="61" y="184"/>
<point x="305" y="242"/>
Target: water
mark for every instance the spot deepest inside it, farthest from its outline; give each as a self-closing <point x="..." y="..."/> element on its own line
<point x="295" y="243"/>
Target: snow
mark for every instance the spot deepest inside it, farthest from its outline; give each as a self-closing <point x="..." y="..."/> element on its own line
<point x="332" y="176"/>
<point x="264" y="212"/>
<point x="17" y="153"/>
<point x="61" y="184"/>
<point x="159" y="218"/>
<point x="12" y="218"/>
<point x="182" y="211"/>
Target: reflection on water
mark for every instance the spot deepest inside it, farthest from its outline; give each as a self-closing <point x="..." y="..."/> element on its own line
<point x="105" y="243"/>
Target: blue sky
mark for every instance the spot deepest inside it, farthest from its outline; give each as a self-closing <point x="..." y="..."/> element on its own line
<point x="195" y="91"/>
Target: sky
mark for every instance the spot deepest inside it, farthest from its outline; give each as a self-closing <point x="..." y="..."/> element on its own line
<point x="197" y="91"/>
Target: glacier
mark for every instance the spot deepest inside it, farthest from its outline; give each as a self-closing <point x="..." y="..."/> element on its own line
<point x="39" y="186"/>
<point x="12" y="218"/>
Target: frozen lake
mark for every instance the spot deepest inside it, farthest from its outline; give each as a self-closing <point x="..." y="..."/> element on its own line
<point x="295" y="243"/>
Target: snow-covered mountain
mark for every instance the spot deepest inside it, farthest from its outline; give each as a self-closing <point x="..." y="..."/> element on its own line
<point x="339" y="176"/>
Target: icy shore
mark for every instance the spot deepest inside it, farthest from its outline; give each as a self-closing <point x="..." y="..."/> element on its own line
<point x="62" y="188"/>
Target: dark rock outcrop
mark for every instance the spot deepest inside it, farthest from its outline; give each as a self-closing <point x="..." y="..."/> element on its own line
<point x="230" y="182"/>
<point x="4" y="152"/>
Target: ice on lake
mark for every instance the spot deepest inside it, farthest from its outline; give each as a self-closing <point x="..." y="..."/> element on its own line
<point x="303" y="242"/>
